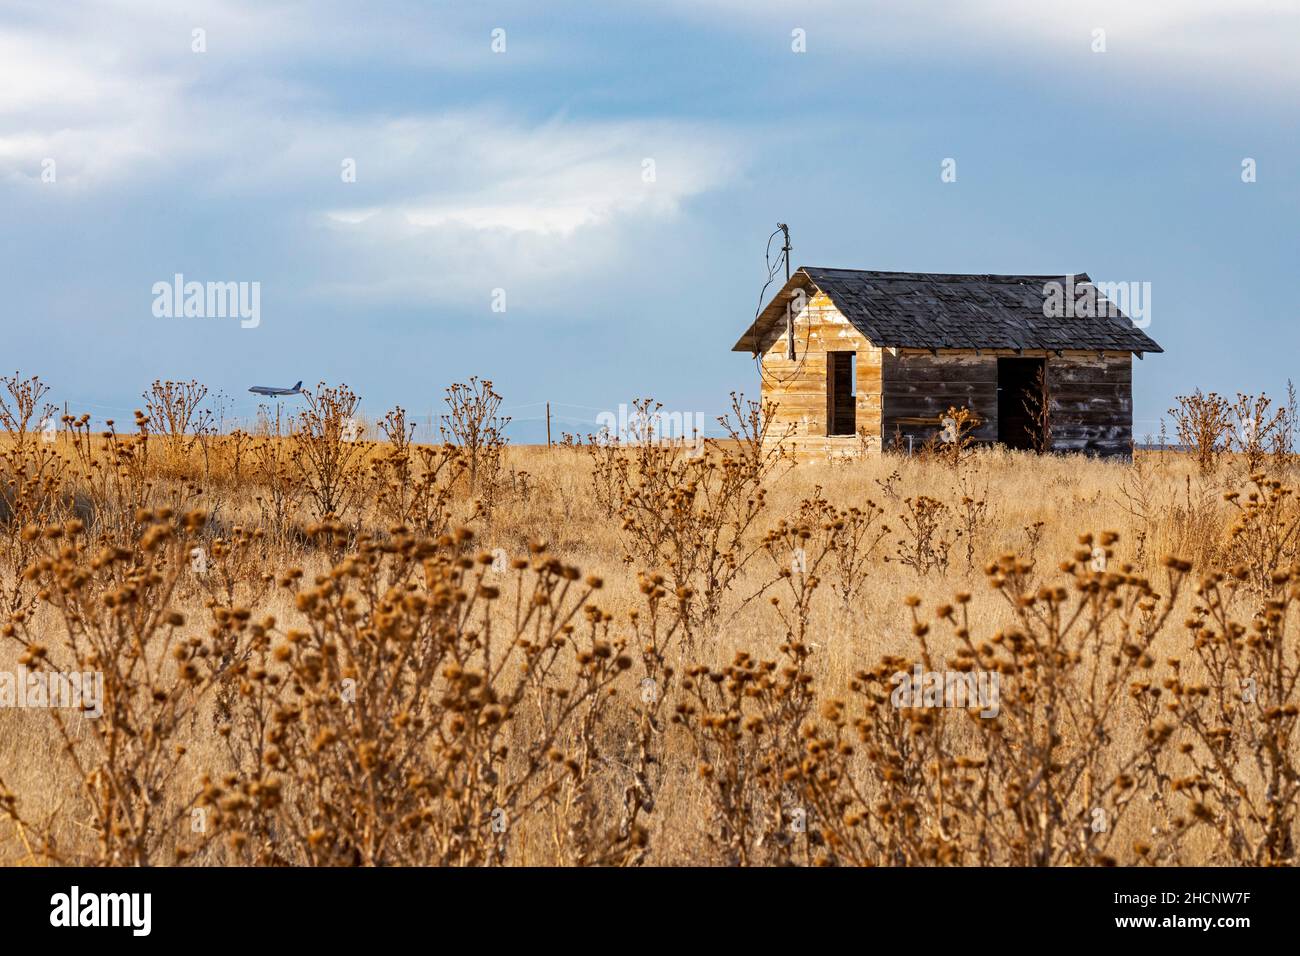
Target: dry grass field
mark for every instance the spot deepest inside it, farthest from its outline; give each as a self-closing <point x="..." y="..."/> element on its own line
<point x="322" y="644"/>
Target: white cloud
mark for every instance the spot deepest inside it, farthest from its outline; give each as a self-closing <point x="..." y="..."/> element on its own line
<point x="1244" y="44"/>
<point x="548" y="180"/>
<point x="489" y="200"/>
<point x="353" y="217"/>
<point x="117" y="98"/>
<point x="542" y="219"/>
<point x="109" y="83"/>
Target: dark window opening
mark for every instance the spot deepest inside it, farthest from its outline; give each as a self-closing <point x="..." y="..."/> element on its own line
<point x="1020" y="398"/>
<point x="840" y="401"/>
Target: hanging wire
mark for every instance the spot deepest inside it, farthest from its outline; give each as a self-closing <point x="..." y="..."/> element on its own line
<point x="773" y="269"/>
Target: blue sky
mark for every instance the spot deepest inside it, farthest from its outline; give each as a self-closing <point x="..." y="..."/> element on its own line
<point x="523" y="171"/>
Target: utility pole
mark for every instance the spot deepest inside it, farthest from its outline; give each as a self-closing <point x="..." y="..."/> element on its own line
<point x="789" y="316"/>
<point x="548" y="426"/>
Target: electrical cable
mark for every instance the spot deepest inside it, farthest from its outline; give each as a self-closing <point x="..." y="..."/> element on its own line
<point x="766" y="378"/>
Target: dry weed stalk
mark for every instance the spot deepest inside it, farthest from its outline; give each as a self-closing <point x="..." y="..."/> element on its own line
<point x="1257" y="429"/>
<point x="1034" y="776"/>
<point x="33" y="477"/>
<point x="604" y="454"/>
<point x="114" y="617"/>
<point x="392" y="730"/>
<point x="1038" y="406"/>
<point x="1264" y="541"/>
<point x="415" y="482"/>
<point x="418" y="704"/>
<point x="663" y="628"/>
<point x="1244" y="779"/>
<point x="686" y="513"/>
<point x="280" y="490"/>
<point x="842" y="544"/>
<point x="952" y="444"/>
<point x="473" y="424"/>
<point x="745" y="722"/>
<point x="175" y="413"/>
<point x="1203" y="425"/>
<point x="926" y="544"/>
<point x="328" y="454"/>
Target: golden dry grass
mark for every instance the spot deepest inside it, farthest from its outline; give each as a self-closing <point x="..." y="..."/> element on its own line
<point x="721" y="759"/>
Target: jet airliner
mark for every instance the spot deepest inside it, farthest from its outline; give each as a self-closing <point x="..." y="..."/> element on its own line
<point x="272" y="390"/>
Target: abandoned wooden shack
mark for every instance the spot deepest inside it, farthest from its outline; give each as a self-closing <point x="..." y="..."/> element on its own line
<point x="857" y="361"/>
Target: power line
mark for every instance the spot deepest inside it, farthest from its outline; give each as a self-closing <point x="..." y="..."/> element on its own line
<point x="766" y="378"/>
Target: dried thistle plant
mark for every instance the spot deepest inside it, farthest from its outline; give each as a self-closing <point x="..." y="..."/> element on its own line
<point x="328" y="452"/>
<point x="1203" y="425"/>
<point x="113" y="617"/>
<point x="283" y="685"/>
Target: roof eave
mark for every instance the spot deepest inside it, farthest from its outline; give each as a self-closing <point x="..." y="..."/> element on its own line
<point x="798" y="279"/>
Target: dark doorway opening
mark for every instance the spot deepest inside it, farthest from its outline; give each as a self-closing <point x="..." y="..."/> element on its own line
<point x="840" y="404"/>
<point x="1020" y="386"/>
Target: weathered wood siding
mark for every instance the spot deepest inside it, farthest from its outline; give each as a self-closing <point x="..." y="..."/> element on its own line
<point x="799" y="388"/>
<point x="1091" y="396"/>
<point x="902" y="392"/>
<point x="924" y="385"/>
<point x="1092" y="403"/>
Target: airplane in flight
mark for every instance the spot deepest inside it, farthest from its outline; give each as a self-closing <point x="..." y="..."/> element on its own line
<point x="272" y="390"/>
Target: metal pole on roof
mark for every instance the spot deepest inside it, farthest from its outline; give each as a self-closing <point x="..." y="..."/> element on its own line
<point x="789" y="317"/>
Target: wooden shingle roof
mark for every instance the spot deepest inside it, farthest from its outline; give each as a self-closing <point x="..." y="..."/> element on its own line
<point x="934" y="311"/>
